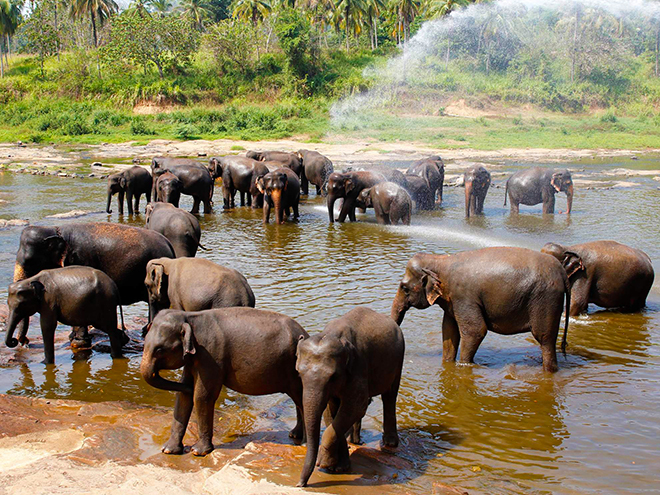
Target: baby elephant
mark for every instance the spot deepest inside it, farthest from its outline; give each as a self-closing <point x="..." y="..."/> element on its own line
<point x="74" y="295"/>
<point x="390" y="202"/>
<point x="248" y="350"/>
<point x="281" y="190"/>
<point x="194" y="284"/>
<point x="356" y="357"/>
<point x="606" y="273"/>
<point x="169" y="189"/>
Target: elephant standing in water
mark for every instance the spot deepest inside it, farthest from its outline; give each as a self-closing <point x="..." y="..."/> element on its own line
<point x="133" y="182"/>
<point x="477" y="182"/>
<point x="539" y="185"/>
<point x="178" y="226"/>
<point x="238" y="174"/>
<point x="120" y="251"/>
<point x="248" y="350"/>
<point x="505" y="290"/>
<point x="433" y="170"/>
<point x="168" y="189"/>
<point x="284" y="159"/>
<point x="73" y="295"/>
<point x="605" y="273"/>
<point x="391" y="203"/>
<point x="316" y="170"/>
<point x="420" y="192"/>
<point x="348" y="185"/>
<point x="281" y="190"/>
<point x="356" y="357"/>
<point x="195" y="178"/>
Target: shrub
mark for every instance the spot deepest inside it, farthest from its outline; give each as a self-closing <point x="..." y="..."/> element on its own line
<point x="140" y="127"/>
<point x="185" y="131"/>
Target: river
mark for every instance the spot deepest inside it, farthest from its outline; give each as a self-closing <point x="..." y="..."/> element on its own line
<point x="500" y="426"/>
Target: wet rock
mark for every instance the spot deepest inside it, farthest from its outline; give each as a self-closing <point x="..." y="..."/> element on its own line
<point x="70" y="214"/>
<point x="201" y="154"/>
<point x="97" y="164"/>
<point x="62" y="174"/>
<point x="4" y="224"/>
<point x="21" y="144"/>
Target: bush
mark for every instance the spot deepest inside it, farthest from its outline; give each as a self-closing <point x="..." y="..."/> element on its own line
<point x="140" y="127"/>
<point x="185" y="131"/>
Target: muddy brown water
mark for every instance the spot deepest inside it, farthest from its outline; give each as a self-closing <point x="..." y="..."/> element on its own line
<point x="501" y="426"/>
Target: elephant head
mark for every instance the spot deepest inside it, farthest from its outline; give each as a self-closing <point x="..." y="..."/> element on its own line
<point x="562" y="181"/>
<point x="24" y="300"/>
<point x="169" y="188"/>
<point x="274" y="184"/>
<point x="215" y="167"/>
<point x="339" y="186"/>
<point x="40" y="248"/>
<point x="364" y="199"/>
<point x="256" y="155"/>
<point x="325" y="364"/>
<point x="116" y="185"/>
<point x="420" y="287"/>
<point x="572" y="262"/>
<point x="167" y="345"/>
<point x="156" y="282"/>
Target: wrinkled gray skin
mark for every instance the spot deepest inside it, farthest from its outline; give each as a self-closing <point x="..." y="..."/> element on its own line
<point x="433" y="170"/>
<point x="284" y="158"/>
<point x="248" y="350"/>
<point x="178" y="226"/>
<point x="281" y="190"/>
<point x="477" y="181"/>
<point x="169" y="189"/>
<point x="74" y="295"/>
<point x="194" y="284"/>
<point x="133" y="182"/>
<point x="391" y="203"/>
<point x="505" y="290"/>
<point x="539" y="185"/>
<point x="348" y="185"/>
<point x="195" y="177"/>
<point x="238" y="174"/>
<point x="316" y="170"/>
<point x="606" y="273"/>
<point x="420" y="192"/>
<point x="356" y="357"/>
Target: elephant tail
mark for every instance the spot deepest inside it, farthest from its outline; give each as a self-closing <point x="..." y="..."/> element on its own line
<point x="121" y="314"/>
<point x="567" y="286"/>
<point x="202" y="247"/>
<point x="506" y="191"/>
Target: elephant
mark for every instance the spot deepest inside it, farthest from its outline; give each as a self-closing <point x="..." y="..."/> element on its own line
<point x="178" y="226"/>
<point x="316" y="170"/>
<point x="391" y="203"/>
<point x="73" y="295"/>
<point x="606" y="273"/>
<point x="285" y="159"/>
<point x="477" y="182"/>
<point x="134" y="182"/>
<point x="357" y="356"/>
<point x="250" y="351"/>
<point x="281" y="190"/>
<point x="539" y="185"/>
<point x="348" y="185"/>
<point x="433" y="170"/>
<point x="420" y="192"/>
<point x="196" y="179"/>
<point x="239" y="174"/>
<point x="506" y="290"/>
<point x="168" y="189"/>
<point x="194" y="284"/>
<point x="120" y="251"/>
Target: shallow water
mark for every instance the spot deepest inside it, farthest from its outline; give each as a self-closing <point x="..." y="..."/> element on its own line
<point x="501" y="426"/>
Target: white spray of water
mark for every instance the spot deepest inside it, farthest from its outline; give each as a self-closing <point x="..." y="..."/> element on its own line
<point x="423" y="52"/>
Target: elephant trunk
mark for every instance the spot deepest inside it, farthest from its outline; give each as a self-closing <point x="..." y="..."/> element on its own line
<point x="331" y="207"/>
<point x="469" y="190"/>
<point x="107" y="208"/>
<point x="19" y="274"/>
<point x="150" y="374"/>
<point x="399" y="307"/>
<point x="12" y="322"/>
<point x="314" y="402"/>
<point x="276" y="196"/>
<point x="569" y="198"/>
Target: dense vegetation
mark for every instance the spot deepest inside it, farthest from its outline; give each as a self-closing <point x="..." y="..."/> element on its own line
<point x="86" y="71"/>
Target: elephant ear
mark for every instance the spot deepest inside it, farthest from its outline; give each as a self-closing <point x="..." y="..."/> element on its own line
<point x="432" y="285"/>
<point x="149" y="210"/>
<point x="38" y="289"/>
<point x="56" y="247"/>
<point x="122" y="182"/>
<point x="349" y="354"/>
<point x="572" y="263"/>
<point x="158" y="274"/>
<point x="260" y="184"/>
<point x="349" y="185"/>
<point x="188" y="339"/>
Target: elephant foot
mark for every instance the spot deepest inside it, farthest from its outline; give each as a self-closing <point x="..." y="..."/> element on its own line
<point x="125" y="339"/>
<point x="298" y="435"/>
<point x="172" y="447"/>
<point x="77" y="342"/>
<point x="24" y="341"/>
<point x="390" y="440"/>
<point x="201" y="448"/>
<point x="333" y="463"/>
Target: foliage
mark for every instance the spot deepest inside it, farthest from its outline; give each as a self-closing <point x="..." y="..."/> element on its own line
<point x="231" y="45"/>
<point x="41" y="34"/>
<point x="294" y="34"/>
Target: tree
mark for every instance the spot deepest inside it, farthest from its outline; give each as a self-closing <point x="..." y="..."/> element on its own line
<point x="196" y="11"/>
<point x="406" y="11"/>
<point x="161" y="7"/>
<point x="349" y="14"/>
<point x="231" y="45"/>
<point x="98" y="10"/>
<point x="294" y="33"/>
<point x="41" y="35"/>
<point x="441" y="8"/>
<point x="373" y="9"/>
<point x="10" y="14"/>
<point x="252" y="10"/>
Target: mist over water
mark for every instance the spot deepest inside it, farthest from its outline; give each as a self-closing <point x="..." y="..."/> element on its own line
<point x="485" y="35"/>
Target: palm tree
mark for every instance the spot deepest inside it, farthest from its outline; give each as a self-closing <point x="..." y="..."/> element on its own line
<point x="98" y="10"/>
<point x="196" y="11"/>
<point x="349" y="13"/>
<point x="161" y="6"/>
<point x="251" y="10"/>
<point x="406" y="11"/>
<point x="372" y="11"/>
<point x="10" y="14"/>
<point x="139" y="7"/>
<point x="441" y="8"/>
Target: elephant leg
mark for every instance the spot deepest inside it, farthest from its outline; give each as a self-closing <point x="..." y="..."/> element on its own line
<point x="473" y="330"/>
<point x="248" y="199"/>
<point x="226" y="198"/>
<point x="548" y="203"/>
<point x="48" y="326"/>
<point x="183" y="407"/>
<point x="304" y="185"/>
<point x="390" y="435"/>
<point x="208" y="207"/>
<point x="355" y="433"/>
<point x="117" y="338"/>
<point x="545" y="328"/>
<point x="242" y="198"/>
<point x="137" y="203"/>
<point x="347" y="209"/>
<point x="22" y="331"/>
<point x="204" y="400"/>
<point x="266" y="210"/>
<point x="195" y="208"/>
<point x="296" y="213"/>
<point x="580" y="297"/>
<point x="515" y="205"/>
<point x="79" y="337"/>
<point x="298" y="432"/>
<point x="333" y="451"/>
<point x="450" y="338"/>
<point x="129" y="201"/>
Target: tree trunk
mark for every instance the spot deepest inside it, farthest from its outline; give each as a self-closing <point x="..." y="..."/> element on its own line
<point x="2" y="64"/>
<point x="348" y="47"/>
<point x="96" y="41"/>
<point x="575" y="43"/>
<point x="375" y="33"/>
<point x="56" y="30"/>
<point x="657" y="48"/>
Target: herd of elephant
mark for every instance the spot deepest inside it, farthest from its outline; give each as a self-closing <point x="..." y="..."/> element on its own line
<point x="202" y="316"/>
<point x="276" y="180"/>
